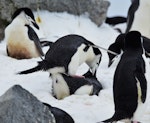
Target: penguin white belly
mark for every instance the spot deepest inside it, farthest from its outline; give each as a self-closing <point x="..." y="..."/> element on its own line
<point x="80" y="57"/>
<point x="86" y="89"/>
<point x="141" y="106"/>
<point x="18" y="43"/>
<point x="143" y="109"/>
<point x="141" y="20"/>
<point x="77" y="59"/>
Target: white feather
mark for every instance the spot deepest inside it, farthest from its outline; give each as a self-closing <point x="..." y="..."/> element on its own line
<point x="86" y="89"/>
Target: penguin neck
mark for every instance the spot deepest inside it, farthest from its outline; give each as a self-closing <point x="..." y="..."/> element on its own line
<point x="56" y="70"/>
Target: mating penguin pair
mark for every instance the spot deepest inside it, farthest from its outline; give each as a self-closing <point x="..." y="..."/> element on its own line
<point x="64" y="85"/>
<point x="130" y="84"/>
<point x="119" y="45"/>
<point x="67" y="54"/>
<point x="22" y="40"/>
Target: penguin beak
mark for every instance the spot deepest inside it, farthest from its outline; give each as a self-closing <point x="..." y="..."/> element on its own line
<point x="35" y="25"/>
<point x="32" y="21"/>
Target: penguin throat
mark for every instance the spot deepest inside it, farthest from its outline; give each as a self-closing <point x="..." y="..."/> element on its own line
<point x="56" y="70"/>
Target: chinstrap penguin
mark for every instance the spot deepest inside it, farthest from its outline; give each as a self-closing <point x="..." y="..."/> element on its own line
<point x="131" y="14"/>
<point x="129" y="84"/>
<point x="60" y="115"/>
<point x="67" y="54"/>
<point x="22" y="40"/>
<point x="64" y="85"/>
<point x="138" y="17"/>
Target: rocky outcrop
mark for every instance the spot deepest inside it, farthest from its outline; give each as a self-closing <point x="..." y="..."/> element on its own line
<point x="95" y="9"/>
<point x="19" y="106"/>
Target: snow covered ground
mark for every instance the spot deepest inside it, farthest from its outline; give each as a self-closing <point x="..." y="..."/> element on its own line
<point x="83" y="108"/>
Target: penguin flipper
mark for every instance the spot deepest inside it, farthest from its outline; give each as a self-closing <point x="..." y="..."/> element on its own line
<point x="141" y="78"/>
<point x="33" y="36"/>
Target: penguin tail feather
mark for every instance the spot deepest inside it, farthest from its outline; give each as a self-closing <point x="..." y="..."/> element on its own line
<point x="108" y="121"/>
<point x="39" y="67"/>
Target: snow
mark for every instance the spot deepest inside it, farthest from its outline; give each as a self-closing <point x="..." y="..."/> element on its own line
<point x="83" y="108"/>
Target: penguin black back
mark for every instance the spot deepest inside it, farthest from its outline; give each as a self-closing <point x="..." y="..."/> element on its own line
<point x="26" y="10"/>
<point x="75" y="83"/>
<point x="70" y="41"/>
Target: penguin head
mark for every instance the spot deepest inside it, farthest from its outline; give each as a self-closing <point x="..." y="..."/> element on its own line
<point x="26" y="15"/>
<point x="95" y="63"/>
<point x="116" y="47"/>
<point x="133" y="40"/>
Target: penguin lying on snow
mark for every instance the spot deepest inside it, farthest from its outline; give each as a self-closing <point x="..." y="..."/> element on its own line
<point x="67" y="54"/>
<point x="118" y="46"/>
<point x="22" y="40"/>
<point x="64" y="85"/>
<point x="60" y="115"/>
<point x="130" y="84"/>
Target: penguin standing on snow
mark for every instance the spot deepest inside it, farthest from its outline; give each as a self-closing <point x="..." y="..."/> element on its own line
<point x="67" y="54"/>
<point x="131" y="14"/>
<point x="130" y="84"/>
<point x="64" y="85"/>
<point x="139" y="17"/>
<point x="22" y="40"/>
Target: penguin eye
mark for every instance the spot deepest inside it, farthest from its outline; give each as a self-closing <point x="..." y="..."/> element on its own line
<point x="28" y="18"/>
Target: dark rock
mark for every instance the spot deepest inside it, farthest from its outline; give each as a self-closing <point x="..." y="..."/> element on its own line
<point x="19" y="106"/>
<point x="95" y="9"/>
<point x="60" y="115"/>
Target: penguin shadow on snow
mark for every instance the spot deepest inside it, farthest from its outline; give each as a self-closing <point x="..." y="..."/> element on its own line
<point x="130" y="83"/>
